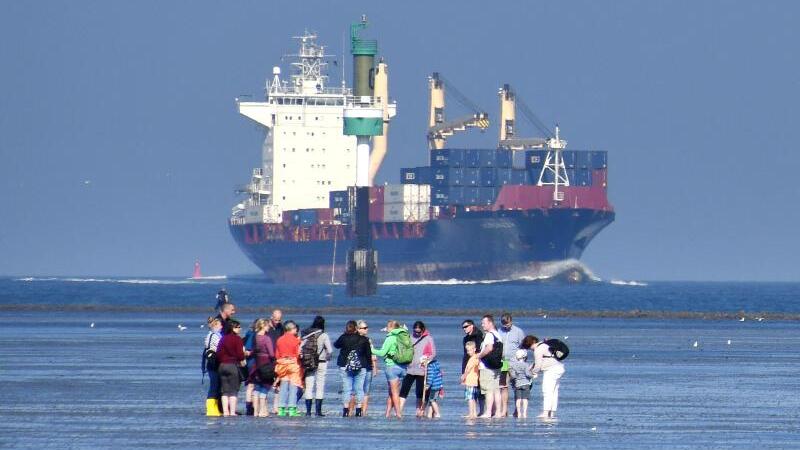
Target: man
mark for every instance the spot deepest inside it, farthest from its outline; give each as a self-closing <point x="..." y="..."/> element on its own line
<point x="512" y="337"/>
<point x="276" y="325"/>
<point x="226" y="314"/>
<point x="222" y="299"/>
<point x="489" y="379"/>
<point x="471" y="334"/>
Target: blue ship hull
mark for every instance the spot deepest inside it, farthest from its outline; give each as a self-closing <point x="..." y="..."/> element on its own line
<point x="474" y="246"/>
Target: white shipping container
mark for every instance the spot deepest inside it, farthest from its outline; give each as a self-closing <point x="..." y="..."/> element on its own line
<point x="406" y="193"/>
<point x="263" y="214"/>
<point x="393" y="212"/>
<point x="416" y="212"/>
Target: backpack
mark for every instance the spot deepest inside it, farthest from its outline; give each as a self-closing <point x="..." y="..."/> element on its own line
<point x="309" y="351"/>
<point x="405" y="350"/>
<point x="494" y="360"/>
<point x="209" y="361"/>
<point x="353" y="362"/>
<point x="558" y="349"/>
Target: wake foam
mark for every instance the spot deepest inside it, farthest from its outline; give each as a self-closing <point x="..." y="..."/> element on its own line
<point x="113" y="280"/>
<point x="547" y="271"/>
<point x="627" y="283"/>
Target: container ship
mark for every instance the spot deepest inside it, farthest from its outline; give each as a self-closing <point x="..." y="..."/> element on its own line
<point x="503" y="213"/>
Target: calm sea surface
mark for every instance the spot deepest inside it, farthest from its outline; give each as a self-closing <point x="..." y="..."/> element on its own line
<point x="133" y="379"/>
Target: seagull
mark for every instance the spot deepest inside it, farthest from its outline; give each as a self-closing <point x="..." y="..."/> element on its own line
<point x="181" y="327"/>
<point x="759" y="319"/>
<point x="729" y="342"/>
<point x="695" y="344"/>
<point x="594" y="428"/>
<point x="91" y="325"/>
<point x="544" y="316"/>
<point x="741" y="319"/>
<point x="202" y="326"/>
<point x="566" y="337"/>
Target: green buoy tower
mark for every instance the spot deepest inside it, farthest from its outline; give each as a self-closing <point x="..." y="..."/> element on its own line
<point x="363" y="118"/>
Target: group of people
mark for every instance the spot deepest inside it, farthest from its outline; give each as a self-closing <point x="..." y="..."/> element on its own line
<point x="276" y="357"/>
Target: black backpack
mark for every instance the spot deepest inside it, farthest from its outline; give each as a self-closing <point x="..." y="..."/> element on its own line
<point x="309" y="351"/>
<point x="494" y="360"/>
<point x="558" y="349"/>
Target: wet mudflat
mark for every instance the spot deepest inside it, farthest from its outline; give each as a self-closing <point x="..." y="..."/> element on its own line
<point x="133" y="380"/>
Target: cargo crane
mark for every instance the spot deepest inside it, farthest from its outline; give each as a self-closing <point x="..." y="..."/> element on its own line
<point x="438" y="129"/>
<point x="554" y="171"/>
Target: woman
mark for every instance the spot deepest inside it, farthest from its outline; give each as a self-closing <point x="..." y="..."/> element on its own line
<point x="363" y="330"/>
<point x="394" y="371"/>
<point x="249" y="342"/>
<point x="287" y="369"/>
<point x="552" y="370"/>
<point x="354" y="356"/>
<point x="423" y="346"/>
<point x="211" y="365"/>
<point x="230" y="354"/>
<point x="263" y="355"/>
<point x="315" y="379"/>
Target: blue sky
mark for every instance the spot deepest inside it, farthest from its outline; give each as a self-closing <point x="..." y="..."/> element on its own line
<point x="696" y="102"/>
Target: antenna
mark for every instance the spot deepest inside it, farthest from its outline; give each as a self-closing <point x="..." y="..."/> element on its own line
<point x="344" y="83"/>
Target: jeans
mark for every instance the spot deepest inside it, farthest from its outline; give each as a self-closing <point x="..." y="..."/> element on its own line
<point x="395" y="372"/>
<point x="213" y="384"/>
<point x="288" y="394"/>
<point x="352" y="381"/>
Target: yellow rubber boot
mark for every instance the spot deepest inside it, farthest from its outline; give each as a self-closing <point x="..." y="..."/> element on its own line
<point x="212" y="408"/>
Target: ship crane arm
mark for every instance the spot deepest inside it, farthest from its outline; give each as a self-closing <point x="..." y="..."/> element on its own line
<point x="477" y="120"/>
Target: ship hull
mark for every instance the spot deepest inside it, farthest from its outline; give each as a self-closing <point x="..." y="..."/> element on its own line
<point x="479" y="246"/>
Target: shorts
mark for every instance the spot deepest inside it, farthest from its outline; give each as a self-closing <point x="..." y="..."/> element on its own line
<point x="503" y="379"/>
<point x="229" y="379"/>
<point x="432" y="396"/>
<point x="395" y="372"/>
<point x="471" y="393"/>
<point x="522" y="392"/>
<point x="261" y="390"/>
<point x="368" y="382"/>
<point x="489" y="380"/>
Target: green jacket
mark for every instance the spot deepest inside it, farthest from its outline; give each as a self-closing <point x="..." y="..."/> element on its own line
<point x="388" y="348"/>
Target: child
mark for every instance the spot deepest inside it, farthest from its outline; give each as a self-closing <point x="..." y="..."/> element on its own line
<point x="210" y="366"/>
<point x="434" y="385"/>
<point x="470" y="380"/>
<point x="518" y="371"/>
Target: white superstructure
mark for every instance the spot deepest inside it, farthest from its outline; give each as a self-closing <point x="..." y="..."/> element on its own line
<point x="305" y="153"/>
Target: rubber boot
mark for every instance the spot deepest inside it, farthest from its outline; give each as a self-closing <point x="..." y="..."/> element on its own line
<point x="318" y="407"/>
<point x="308" y="407"/>
<point x="293" y="412"/>
<point x="212" y="408"/>
<point x="281" y="411"/>
<point x="358" y="412"/>
<point x="345" y="412"/>
<point x="249" y="409"/>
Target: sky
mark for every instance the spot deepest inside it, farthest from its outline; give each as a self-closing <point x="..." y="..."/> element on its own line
<point x="120" y="143"/>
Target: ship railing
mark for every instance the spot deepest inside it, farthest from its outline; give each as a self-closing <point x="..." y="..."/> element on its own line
<point x="237" y="220"/>
<point x="366" y="101"/>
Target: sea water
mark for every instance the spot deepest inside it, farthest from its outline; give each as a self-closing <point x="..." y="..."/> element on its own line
<point x="133" y="378"/>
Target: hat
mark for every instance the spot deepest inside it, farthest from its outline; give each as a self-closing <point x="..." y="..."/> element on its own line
<point x="521" y="354"/>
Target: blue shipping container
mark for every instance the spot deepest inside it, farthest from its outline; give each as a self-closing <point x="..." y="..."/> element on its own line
<point x="440" y="195"/>
<point x="486" y="196"/>
<point x="472" y="177"/>
<point x="519" y="159"/>
<point x="488" y="176"/>
<point x="456" y="195"/>
<point x="472" y="158"/>
<point x="505" y="159"/>
<point x="535" y="158"/>
<point x="471" y="195"/>
<point x="308" y="217"/>
<point x="416" y="175"/>
<point x="445" y="176"/>
<point x="519" y="176"/>
<point x="599" y="159"/>
<point x="583" y="177"/>
<point x="488" y="158"/>
<point x="570" y="158"/>
<point x="583" y="159"/>
<point x="339" y="199"/>
<point x="448" y="157"/>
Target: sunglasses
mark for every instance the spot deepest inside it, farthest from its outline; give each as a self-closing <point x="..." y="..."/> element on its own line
<point x="363" y="328"/>
<point x="466" y="326"/>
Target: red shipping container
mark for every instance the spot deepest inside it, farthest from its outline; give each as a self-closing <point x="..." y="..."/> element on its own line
<point x="376" y="204"/>
<point x="600" y="177"/>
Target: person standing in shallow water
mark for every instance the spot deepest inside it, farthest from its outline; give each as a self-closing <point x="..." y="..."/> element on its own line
<point x="315" y="379"/>
<point x="511" y="336"/>
<point x="394" y="371"/>
<point x="263" y="354"/>
<point x="551" y="369"/>
<point x="230" y="354"/>
<point x="489" y="379"/>
<point x="423" y="346"/>
<point x="287" y="369"/>
<point x="363" y="330"/>
<point x="354" y="356"/>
